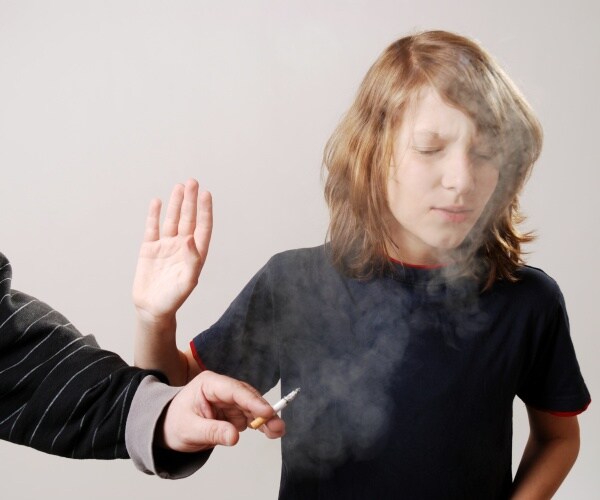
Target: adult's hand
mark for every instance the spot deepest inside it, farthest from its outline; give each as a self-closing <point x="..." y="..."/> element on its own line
<point x="212" y="410"/>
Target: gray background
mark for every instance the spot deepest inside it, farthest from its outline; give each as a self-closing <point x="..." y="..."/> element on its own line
<point x="106" y="104"/>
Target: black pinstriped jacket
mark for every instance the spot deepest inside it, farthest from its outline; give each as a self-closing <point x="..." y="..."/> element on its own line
<point x="59" y="392"/>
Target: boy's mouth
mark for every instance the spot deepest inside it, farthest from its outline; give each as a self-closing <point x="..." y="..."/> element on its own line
<point x="453" y="213"/>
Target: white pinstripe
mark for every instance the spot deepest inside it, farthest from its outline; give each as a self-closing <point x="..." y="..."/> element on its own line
<point x="12" y="293"/>
<point x="17" y="311"/>
<point x="48" y="374"/>
<point x="33" y="349"/>
<point x="74" y="410"/>
<point x="64" y="387"/>
<point x="41" y="317"/>
<point x="12" y="427"/>
<point x="122" y="415"/>
<point x="4" y="296"/>
<point x="123" y="392"/>
<point x="12" y="414"/>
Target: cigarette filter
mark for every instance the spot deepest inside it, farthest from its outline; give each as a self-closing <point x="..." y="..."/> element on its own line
<point x="280" y="405"/>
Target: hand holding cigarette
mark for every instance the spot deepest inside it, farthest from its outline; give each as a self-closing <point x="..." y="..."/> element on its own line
<point x="280" y="405"/>
<point x="212" y="410"/>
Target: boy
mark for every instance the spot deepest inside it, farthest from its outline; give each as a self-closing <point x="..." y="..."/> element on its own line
<point x="412" y="330"/>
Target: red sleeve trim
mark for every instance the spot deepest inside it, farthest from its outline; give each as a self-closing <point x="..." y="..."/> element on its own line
<point x="568" y="413"/>
<point x="197" y="356"/>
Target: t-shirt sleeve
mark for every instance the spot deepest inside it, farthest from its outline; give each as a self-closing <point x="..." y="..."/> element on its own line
<point x="242" y="343"/>
<point x="553" y="380"/>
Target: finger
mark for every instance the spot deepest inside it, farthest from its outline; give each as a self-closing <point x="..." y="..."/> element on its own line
<point x="213" y="433"/>
<point x="151" y="232"/>
<point x="235" y="417"/>
<point x="187" y="221"/>
<point x="202" y="407"/>
<point x="222" y="389"/>
<point x="173" y="211"/>
<point x="204" y="224"/>
<point x="193" y="262"/>
<point x="274" y="428"/>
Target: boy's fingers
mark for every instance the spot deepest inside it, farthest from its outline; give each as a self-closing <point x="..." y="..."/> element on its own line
<point x="204" y="224"/>
<point x="173" y="211"/>
<point x="152" y="232"/>
<point x="187" y="220"/>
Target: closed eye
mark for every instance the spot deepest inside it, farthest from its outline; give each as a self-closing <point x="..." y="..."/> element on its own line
<point x="482" y="155"/>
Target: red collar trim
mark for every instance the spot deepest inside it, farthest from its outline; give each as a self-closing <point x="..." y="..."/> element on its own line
<point x="418" y="266"/>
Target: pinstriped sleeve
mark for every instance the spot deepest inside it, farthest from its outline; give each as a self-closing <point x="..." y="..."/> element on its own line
<point x="59" y="392"/>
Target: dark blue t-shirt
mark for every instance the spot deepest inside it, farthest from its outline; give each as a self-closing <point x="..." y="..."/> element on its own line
<point x="407" y="380"/>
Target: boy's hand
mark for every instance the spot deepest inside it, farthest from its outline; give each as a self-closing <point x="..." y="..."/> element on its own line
<point x="212" y="410"/>
<point x="169" y="264"/>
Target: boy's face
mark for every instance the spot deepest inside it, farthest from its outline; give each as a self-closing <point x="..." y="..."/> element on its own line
<point x="441" y="178"/>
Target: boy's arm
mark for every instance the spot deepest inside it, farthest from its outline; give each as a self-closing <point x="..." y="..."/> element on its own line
<point x="168" y="268"/>
<point x="550" y="453"/>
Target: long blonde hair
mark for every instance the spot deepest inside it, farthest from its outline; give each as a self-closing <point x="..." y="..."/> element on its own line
<point x="358" y="155"/>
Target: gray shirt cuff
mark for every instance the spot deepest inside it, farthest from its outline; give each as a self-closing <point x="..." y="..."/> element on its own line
<point x="150" y="400"/>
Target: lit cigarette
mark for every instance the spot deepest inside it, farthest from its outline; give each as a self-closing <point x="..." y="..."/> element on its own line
<point x="280" y="405"/>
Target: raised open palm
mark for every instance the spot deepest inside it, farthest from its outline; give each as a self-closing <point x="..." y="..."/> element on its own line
<point x="170" y="260"/>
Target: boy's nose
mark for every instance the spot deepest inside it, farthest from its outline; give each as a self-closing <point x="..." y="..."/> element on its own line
<point x="458" y="174"/>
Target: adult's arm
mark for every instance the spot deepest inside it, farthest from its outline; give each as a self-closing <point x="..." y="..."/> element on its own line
<point x="61" y="394"/>
<point x="143" y="433"/>
<point x="210" y="410"/>
<point x="59" y="391"/>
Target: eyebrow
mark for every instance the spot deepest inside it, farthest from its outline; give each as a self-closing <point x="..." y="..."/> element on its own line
<point x="429" y="134"/>
<point x="432" y="134"/>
